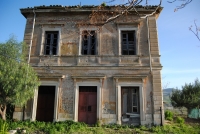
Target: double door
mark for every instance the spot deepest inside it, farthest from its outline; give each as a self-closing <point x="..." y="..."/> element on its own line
<point x="87" y="108"/>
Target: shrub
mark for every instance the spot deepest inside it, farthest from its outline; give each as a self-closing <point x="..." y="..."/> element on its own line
<point x="180" y="120"/>
<point x="169" y="115"/>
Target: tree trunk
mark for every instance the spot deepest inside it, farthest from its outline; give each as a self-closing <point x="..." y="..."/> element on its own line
<point x="3" y="111"/>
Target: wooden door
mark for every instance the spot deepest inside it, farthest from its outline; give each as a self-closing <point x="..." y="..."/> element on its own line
<point x="45" y="103"/>
<point x="87" y="110"/>
<point x="130" y="105"/>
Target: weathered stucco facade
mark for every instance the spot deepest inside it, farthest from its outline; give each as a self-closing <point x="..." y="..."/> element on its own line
<point x="111" y="74"/>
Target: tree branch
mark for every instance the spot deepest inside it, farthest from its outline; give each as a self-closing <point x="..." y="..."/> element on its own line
<point x="196" y="31"/>
<point x="131" y="5"/>
<point x="186" y="2"/>
<point x="154" y="11"/>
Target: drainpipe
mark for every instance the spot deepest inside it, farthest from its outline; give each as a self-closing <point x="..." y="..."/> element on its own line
<point x="149" y="44"/>
<point x="150" y="65"/>
<point x="29" y="54"/>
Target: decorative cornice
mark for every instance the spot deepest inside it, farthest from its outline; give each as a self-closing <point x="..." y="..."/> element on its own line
<point x="50" y="75"/>
<point x="129" y="76"/>
<point x="88" y="76"/>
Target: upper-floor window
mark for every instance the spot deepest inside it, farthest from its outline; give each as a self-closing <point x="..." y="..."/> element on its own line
<point x="89" y="43"/>
<point x="51" y="43"/>
<point x="128" y="43"/>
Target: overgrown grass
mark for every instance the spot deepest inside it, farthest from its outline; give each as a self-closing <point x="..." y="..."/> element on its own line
<point x="3" y="127"/>
<point x="70" y="127"/>
<point x="176" y="129"/>
<point x="48" y="127"/>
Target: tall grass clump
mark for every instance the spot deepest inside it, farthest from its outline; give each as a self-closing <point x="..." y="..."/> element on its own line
<point x="180" y="120"/>
<point x="169" y="115"/>
<point x="3" y="127"/>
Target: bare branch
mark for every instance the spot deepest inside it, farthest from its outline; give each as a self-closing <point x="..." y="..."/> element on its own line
<point x="184" y="4"/>
<point x="154" y="11"/>
<point x="196" y="31"/>
<point x="110" y="1"/>
<point x="132" y="4"/>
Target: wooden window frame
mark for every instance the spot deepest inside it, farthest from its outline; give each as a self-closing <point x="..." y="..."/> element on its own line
<point x="89" y="42"/>
<point x="122" y="28"/>
<point x="128" y="43"/>
<point x="138" y="99"/>
<point x="51" y="42"/>
<point x="44" y="29"/>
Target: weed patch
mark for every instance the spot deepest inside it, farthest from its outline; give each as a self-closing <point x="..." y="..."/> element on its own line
<point x="71" y="127"/>
<point x="3" y="127"/>
<point x="180" y="120"/>
<point x="169" y="115"/>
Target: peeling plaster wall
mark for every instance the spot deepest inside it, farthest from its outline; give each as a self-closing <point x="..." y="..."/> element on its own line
<point x="109" y="40"/>
<point x="67" y="95"/>
<point x="108" y="62"/>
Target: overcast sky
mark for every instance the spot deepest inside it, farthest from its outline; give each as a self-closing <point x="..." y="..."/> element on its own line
<point x="179" y="48"/>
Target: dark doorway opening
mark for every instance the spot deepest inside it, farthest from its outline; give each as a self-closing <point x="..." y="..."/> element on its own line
<point x="130" y="104"/>
<point x="87" y="108"/>
<point x="45" y="103"/>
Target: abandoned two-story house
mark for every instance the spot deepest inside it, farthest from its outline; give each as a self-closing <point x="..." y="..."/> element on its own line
<point x="91" y="71"/>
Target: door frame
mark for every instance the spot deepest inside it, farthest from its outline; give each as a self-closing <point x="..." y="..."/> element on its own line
<point x="76" y="99"/>
<point x="118" y="99"/>
<point x="35" y="99"/>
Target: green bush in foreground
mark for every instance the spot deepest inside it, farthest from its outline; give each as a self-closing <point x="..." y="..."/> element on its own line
<point x="169" y="115"/>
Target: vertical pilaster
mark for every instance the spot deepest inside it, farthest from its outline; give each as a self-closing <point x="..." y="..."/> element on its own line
<point x="157" y="96"/>
<point x="75" y="98"/>
<point x="118" y="102"/>
<point x="99" y="94"/>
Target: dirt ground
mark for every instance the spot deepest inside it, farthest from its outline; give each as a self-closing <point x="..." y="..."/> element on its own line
<point x="191" y="121"/>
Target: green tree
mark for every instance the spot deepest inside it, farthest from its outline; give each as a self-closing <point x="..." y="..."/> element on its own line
<point x="188" y="97"/>
<point x="18" y="80"/>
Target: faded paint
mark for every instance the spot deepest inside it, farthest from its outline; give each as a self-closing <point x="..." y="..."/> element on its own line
<point x="108" y="108"/>
<point x="69" y="49"/>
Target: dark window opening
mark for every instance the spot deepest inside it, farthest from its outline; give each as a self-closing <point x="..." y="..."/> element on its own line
<point x="128" y="43"/>
<point x="89" y="43"/>
<point x="51" y="43"/>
